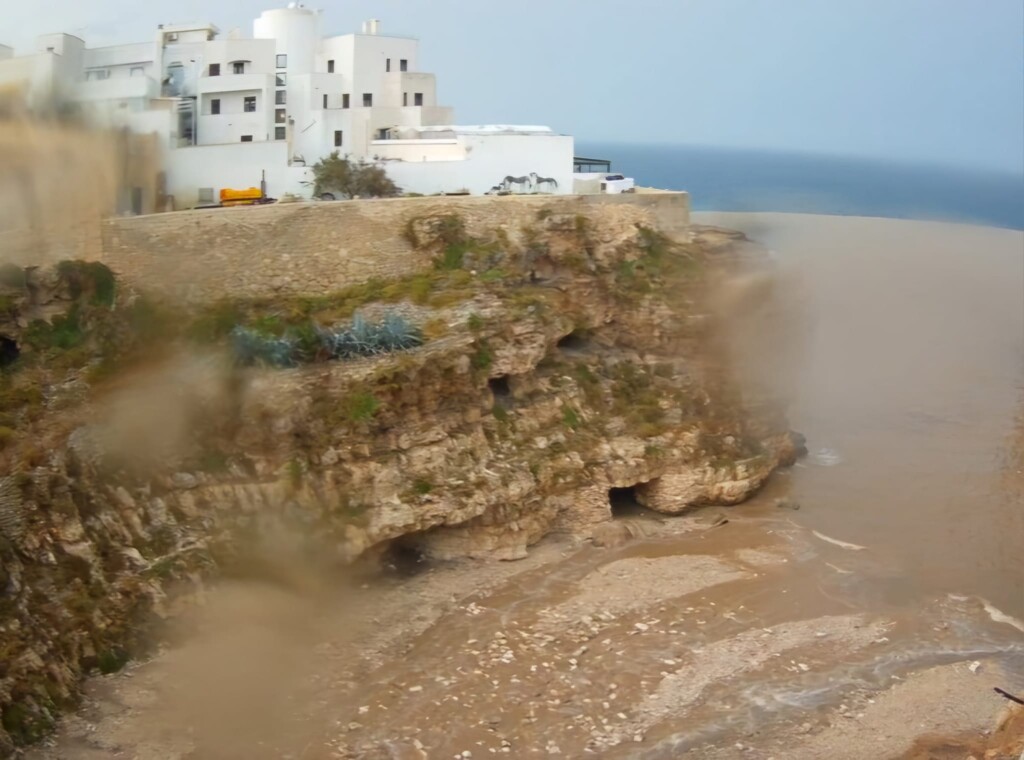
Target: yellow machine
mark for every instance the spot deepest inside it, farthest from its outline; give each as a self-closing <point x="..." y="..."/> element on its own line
<point x="248" y="197"/>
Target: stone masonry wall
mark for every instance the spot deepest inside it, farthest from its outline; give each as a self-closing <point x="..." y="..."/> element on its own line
<point x="313" y="248"/>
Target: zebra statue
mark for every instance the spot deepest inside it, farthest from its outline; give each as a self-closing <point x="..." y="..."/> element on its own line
<point x="538" y="181"/>
<point x="510" y="180"/>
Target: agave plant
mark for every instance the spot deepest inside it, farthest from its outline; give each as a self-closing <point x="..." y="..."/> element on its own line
<point x="364" y="338"/>
<point x="250" y="347"/>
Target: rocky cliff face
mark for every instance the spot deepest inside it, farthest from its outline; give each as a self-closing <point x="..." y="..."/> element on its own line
<point x="569" y="365"/>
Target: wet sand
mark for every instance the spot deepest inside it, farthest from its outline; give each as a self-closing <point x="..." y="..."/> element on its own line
<point x="881" y="610"/>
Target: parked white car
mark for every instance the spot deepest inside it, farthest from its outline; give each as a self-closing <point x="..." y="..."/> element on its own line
<point x="616" y="183"/>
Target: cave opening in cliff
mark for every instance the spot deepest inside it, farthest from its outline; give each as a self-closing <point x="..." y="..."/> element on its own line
<point x="403" y="557"/>
<point x="9" y="351"/>
<point x="575" y="341"/>
<point x="500" y="386"/>
<point x="624" y="502"/>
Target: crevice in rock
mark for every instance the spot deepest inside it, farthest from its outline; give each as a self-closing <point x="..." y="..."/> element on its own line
<point x="9" y="351"/>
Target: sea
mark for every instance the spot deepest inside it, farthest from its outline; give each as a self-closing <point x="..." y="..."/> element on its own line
<point x="721" y="179"/>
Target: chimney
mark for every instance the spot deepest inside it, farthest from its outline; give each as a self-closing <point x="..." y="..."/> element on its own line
<point x="372" y="26"/>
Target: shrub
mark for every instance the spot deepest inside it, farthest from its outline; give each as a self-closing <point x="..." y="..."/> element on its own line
<point x="361" y="406"/>
<point x="350" y="179"/>
<point x="63" y="332"/>
<point x="89" y="278"/>
<point x="475" y="322"/>
<point x="571" y="418"/>
<point x="422" y="487"/>
<point x="483" y="358"/>
<point x="12" y="276"/>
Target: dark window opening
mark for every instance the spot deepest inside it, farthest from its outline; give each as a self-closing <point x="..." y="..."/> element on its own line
<point x="246" y="138"/>
<point x="417" y="99"/>
<point x="500" y="386"/>
<point x="281" y="97"/>
<point x="239" y="67"/>
<point x="344" y="100"/>
<point x="330" y="67"/>
<point x="405" y="98"/>
<point x="250" y="104"/>
<point x="9" y="351"/>
<point x="367" y="99"/>
<point x="215" y="106"/>
<point x="577" y="340"/>
<point x="280" y="115"/>
<point x="338" y="138"/>
<point x="280" y="133"/>
<point x="325" y="100"/>
<point x="403" y="65"/>
<point x="282" y="61"/>
<point x="214" y="69"/>
<point x="382" y="133"/>
<point x="280" y="80"/>
<point x="387" y="65"/>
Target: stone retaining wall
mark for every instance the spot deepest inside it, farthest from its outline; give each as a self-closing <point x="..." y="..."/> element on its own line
<point x="309" y="248"/>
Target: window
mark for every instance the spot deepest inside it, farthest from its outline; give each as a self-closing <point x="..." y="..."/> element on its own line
<point x="250" y="104"/>
<point x="238" y="67"/>
<point x="279" y="116"/>
<point x="281" y="80"/>
<point x="138" y="71"/>
<point x="246" y="138"/>
<point x="387" y="65"/>
<point x="417" y="99"/>
<point x="280" y="133"/>
<point x="325" y="100"/>
<point x="403" y="65"/>
<point x="330" y="67"/>
<point x="344" y="100"/>
<point x="405" y="98"/>
<point x="215" y="106"/>
<point x="96" y="74"/>
<point x="338" y="135"/>
<point x="281" y="97"/>
<point x="214" y="69"/>
<point x="367" y="99"/>
<point x="282" y="61"/>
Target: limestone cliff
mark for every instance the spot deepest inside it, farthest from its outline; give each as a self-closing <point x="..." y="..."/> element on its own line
<point x="562" y="359"/>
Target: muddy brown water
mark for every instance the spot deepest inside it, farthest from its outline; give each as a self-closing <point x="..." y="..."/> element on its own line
<point x="911" y="394"/>
<point x="755" y="638"/>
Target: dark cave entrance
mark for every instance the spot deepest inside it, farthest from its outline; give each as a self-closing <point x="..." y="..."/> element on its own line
<point x="500" y="387"/>
<point x="403" y="557"/>
<point x="575" y="341"/>
<point x="9" y="351"/>
<point x="624" y="502"/>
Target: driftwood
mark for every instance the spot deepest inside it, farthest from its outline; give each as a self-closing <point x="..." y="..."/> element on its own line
<point x="1008" y="695"/>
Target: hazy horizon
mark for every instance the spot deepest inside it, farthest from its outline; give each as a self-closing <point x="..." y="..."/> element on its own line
<point x="937" y="82"/>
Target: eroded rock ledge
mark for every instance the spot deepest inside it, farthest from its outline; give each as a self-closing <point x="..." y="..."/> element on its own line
<point x="563" y="359"/>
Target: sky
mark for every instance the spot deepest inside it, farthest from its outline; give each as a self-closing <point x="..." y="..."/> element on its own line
<point x="927" y="81"/>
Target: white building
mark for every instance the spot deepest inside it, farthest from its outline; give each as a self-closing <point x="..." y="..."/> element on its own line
<point x="227" y="110"/>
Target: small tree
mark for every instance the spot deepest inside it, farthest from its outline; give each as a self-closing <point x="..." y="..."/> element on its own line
<point x="348" y="179"/>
